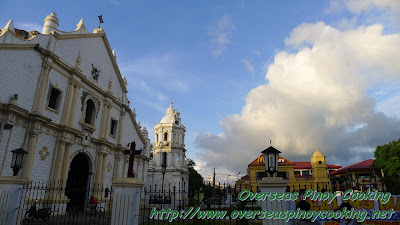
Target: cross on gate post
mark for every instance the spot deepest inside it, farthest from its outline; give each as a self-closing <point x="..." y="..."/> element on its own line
<point x="132" y="152"/>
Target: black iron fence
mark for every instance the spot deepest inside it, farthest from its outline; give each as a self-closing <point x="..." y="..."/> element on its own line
<point x="194" y="207"/>
<point x="57" y="203"/>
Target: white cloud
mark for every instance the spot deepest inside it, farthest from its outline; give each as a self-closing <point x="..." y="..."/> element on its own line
<point x="358" y="6"/>
<point x="156" y="66"/>
<point x="28" y="26"/>
<point x="248" y="65"/>
<point x="163" y="71"/>
<point x="390" y="106"/>
<point x="220" y="35"/>
<point x="348" y="24"/>
<point x="150" y="90"/>
<point x="316" y="96"/>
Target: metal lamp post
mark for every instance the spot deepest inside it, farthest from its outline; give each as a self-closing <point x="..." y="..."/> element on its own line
<point x="163" y="170"/>
<point x="18" y="156"/>
<point x="183" y="190"/>
<point x="271" y="157"/>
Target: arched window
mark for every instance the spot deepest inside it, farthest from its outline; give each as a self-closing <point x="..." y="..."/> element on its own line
<point x="165" y="136"/>
<point x="90" y="112"/>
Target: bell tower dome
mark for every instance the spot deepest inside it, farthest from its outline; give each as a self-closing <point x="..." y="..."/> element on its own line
<point x="170" y="133"/>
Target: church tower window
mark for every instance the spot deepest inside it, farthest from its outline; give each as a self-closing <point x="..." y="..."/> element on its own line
<point x="90" y="112"/>
<point x="165" y="136"/>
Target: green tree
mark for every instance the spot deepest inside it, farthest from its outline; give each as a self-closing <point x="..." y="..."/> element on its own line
<point x="195" y="179"/>
<point x="387" y="159"/>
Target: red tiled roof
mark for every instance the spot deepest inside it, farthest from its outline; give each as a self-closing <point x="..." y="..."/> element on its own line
<point x="307" y="165"/>
<point x="260" y="161"/>
<point x="298" y="165"/>
<point x="245" y="177"/>
<point x="361" y="166"/>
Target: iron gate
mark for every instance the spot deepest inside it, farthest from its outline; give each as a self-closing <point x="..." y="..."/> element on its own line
<point x="53" y="203"/>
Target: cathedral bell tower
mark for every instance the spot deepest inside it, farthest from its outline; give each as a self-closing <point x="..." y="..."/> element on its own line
<point x="170" y="133"/>
<point x="169" y="141"/>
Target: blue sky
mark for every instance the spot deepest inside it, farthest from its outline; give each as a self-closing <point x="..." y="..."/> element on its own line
<point x="214" y="59"/>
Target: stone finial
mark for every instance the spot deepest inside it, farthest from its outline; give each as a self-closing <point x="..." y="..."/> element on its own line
<point x="145" y="133"/>
<point x="125" y="80"/>
<point x="110" y="85"/>
<point x="114" y="54"/>
<point x="80" y="24"/>
<point x="134" y="113"/>
<point x="78" y="61"/>
<point x="140" y="126"/>
<point x="50" y="23"/>
<point x="9" y="26"/>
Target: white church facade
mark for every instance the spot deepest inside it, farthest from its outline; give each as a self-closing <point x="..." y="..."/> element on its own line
<point x="64" y="101"/>
<point x="169" y="144"/>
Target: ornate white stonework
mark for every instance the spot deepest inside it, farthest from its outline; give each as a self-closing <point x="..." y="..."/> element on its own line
<point x="62" y="95"/>
<point x="169" y="138"/>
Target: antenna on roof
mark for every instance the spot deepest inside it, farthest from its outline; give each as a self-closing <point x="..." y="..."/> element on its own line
<point x="100" y="20"/>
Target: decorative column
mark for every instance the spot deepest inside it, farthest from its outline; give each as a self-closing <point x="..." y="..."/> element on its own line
<point x="107" y="121"/>
<point x="103" y="169"/>
<point x="31" y="149"/>
<point x="59" y="158"/>
<point x="66" y="163"/>
<point x="104" y="121"/>
<point x="120" y="126"/>
<point x="73" y="105"/>
<point x="273" y="185"/>
<point x="126" y="201"/>
<point x="41" y="88"/>
<point x="117" y="164"/>
<point x="124" y="173"/>
<point x="67" y="104"/>
<point x="99" y="166"/>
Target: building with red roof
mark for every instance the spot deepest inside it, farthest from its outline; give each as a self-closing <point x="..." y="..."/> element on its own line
<point x="301" y="175"/>
<point x="359" y="176"/>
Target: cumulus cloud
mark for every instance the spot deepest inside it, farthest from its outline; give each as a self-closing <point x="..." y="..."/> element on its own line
<point x="316" y="95"/>
<point x="220" y="35"/>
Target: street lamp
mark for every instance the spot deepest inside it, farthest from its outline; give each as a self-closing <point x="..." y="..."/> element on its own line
<point x="227" y="180"/>
<point x="237" y="176"/>
<point x="271" y="157"/>
<point x="163" y="170"/>
<point x="18" y="156"/>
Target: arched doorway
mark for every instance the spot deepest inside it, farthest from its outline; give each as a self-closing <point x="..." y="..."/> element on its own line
<point x="76" y="187"/>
